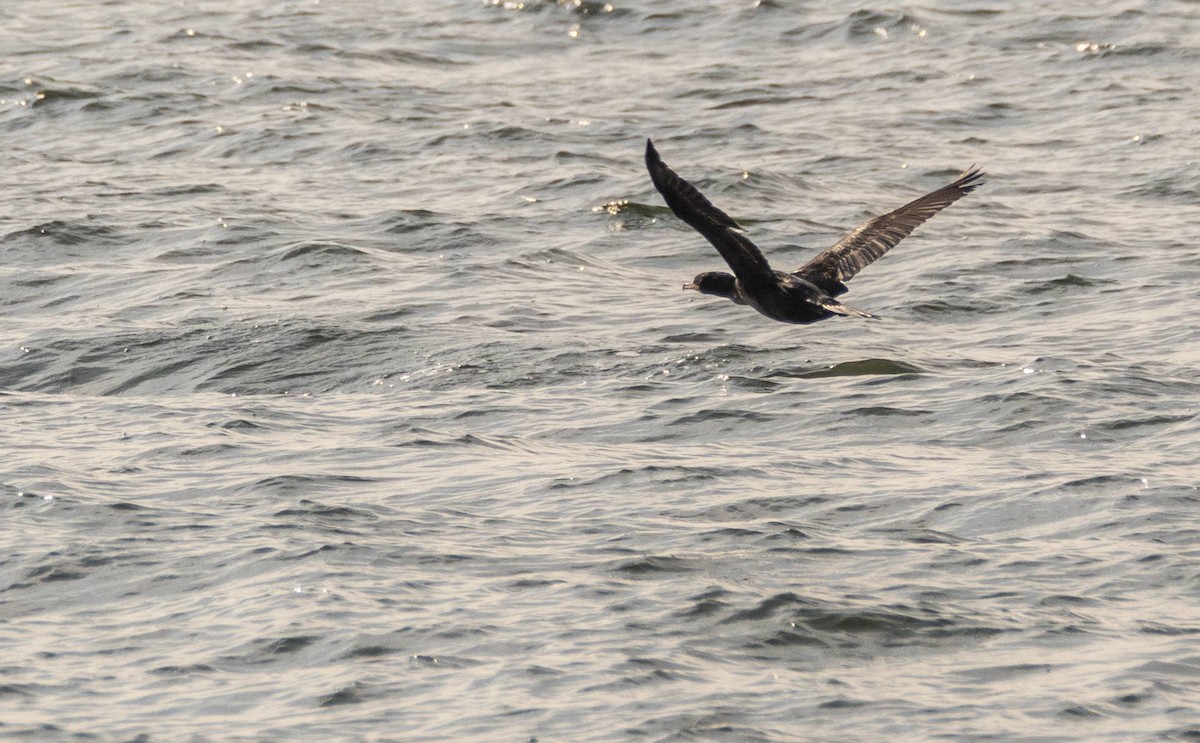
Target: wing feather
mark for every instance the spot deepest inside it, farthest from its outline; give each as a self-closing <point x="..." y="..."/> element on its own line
<point x="873" y="238"/>
<point x="716" y="226"/>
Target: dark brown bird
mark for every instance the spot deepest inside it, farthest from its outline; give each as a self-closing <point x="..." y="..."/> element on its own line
<point x="808" y="294"/>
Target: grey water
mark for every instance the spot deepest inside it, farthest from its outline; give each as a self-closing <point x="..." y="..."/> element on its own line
<point x="349" y="392"/>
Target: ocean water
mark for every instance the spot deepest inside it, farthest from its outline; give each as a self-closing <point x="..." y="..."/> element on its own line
<point x="349" y="391"/>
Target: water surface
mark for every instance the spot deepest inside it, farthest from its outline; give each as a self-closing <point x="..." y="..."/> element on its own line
<point x="350" y="394"/>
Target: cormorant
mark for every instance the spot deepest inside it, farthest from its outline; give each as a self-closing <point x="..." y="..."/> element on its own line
<point x="808" y="294"/>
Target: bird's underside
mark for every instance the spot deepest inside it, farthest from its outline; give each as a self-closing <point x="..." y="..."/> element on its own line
<point x="809" y="293"/>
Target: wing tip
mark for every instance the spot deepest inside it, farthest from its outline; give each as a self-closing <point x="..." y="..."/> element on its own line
<point x="970" y="179"/>
<point x="651" y="153"/>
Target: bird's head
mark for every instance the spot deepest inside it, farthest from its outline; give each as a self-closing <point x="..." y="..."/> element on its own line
<point x="716" y="283"/>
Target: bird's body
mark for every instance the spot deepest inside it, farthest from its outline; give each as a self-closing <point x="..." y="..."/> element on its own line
<point x="810" y="293"/>
<point x="786" y="297"/>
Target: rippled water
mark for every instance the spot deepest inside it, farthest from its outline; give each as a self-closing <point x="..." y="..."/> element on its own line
<point x="349" y="391"/>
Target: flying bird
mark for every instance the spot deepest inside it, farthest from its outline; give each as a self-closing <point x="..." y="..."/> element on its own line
<point x="810" y="293"/>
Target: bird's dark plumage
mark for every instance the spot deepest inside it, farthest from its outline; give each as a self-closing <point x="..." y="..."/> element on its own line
<point x="808" y="294"/>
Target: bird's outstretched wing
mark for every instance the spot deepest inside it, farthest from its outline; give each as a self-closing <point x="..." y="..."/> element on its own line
<point x="716" y="226"/>
<point x="873" y="238"/>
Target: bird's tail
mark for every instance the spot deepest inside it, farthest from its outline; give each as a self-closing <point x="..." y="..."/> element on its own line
<point x="846" y="310"/>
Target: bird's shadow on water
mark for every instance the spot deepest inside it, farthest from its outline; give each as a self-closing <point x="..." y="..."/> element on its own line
<point x="859" y="368"/>
<point x="746" y="361"/>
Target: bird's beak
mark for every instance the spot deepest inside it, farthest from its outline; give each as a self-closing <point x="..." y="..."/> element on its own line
<point x="691" y="285"/>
